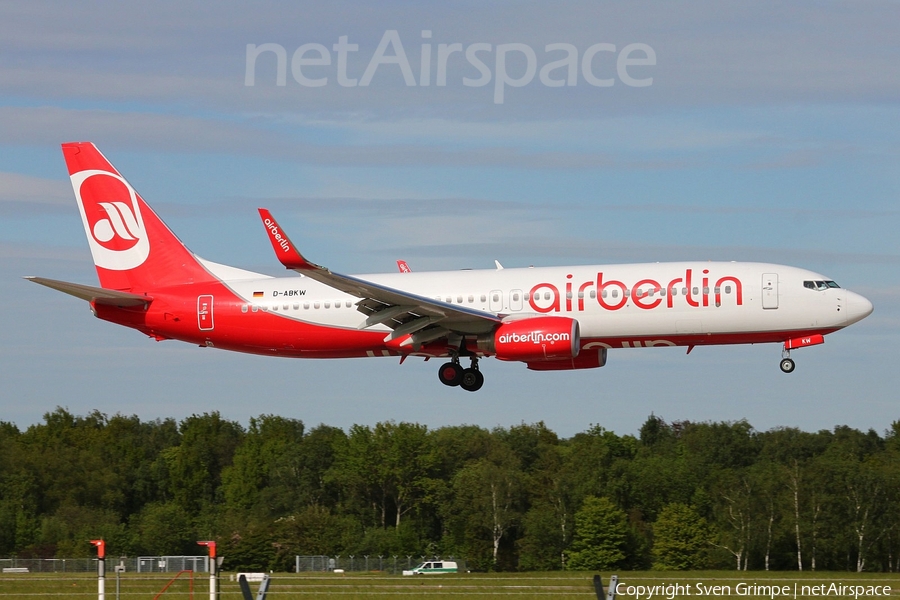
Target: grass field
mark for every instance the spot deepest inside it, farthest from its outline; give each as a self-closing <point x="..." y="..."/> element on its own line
<point x="521" y="586"/>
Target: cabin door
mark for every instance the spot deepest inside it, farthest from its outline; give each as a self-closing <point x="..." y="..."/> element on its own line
<point x="770" y="290"/>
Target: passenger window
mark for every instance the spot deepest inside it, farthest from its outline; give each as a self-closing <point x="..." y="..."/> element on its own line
<point x="484" y="298"/>
<point x="593" y="293"/>
<point x="615" y="293"/>
<point x="315" y="305"/>
<point x="255" y="308"/>
<point x="471" y="299"/>
<point x="306" y="306"/>
<point x="695" y="291"/>
<point x="727" y="289"/>
<point x="244" y="308"/>
<point x="328" y="305"/>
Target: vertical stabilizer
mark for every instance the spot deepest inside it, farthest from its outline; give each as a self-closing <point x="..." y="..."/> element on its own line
<point x="132" y="248"/>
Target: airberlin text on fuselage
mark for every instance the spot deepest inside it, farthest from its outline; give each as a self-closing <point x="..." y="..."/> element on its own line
<point x="273" y="229"/>
<point x="612" y="294"/>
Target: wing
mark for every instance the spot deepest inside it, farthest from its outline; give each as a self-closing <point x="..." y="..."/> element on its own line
<point x="422" y="319"/>
<point x="94" y="294"/>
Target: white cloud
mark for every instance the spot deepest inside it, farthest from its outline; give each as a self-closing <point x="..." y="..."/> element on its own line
<point x="15" y="187"/>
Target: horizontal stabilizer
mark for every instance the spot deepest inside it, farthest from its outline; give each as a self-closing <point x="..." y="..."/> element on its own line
<point x="94" y="294"/>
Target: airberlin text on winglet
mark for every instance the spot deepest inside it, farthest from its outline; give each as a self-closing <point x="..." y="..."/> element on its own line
<point x="276" y="235"/>
<point x="646" y="293"/>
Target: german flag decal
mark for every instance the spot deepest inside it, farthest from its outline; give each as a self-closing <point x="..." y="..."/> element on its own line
<point x="257" y="294"/>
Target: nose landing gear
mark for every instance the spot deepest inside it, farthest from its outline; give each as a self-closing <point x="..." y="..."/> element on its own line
<point x="452" y="374"/>
<point x="787" y="364"/>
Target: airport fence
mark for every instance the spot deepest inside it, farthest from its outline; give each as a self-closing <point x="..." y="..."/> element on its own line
<point x="393" y="564"/>
<point x="139" y="564"/>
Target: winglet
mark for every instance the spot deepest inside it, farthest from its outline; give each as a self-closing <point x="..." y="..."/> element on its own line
<point x="285" y="250"/>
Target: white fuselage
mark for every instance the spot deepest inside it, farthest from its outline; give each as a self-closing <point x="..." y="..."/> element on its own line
<point x="665" y="300"/>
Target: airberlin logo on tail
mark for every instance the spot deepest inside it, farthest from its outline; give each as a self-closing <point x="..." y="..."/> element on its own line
<point x="119" y="221"/>
<point x="112" y="219"/>
<point x="276" y="235"/>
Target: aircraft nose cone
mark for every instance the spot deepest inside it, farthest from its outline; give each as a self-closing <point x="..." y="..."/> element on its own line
<point x="858" y="308"/>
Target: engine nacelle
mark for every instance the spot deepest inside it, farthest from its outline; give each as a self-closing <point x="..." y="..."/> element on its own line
<point x="534" y="339"/>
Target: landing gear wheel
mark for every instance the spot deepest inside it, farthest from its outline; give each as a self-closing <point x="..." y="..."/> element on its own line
<point x="450" y="374"/>
<point x="787" y="365"/>
<point x="472" y="380"/>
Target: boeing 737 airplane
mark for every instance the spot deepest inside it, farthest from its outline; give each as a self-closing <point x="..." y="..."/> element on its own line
<point x="550" y="318"/>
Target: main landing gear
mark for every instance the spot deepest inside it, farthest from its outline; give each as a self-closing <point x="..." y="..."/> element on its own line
<point x="453" y="374"/>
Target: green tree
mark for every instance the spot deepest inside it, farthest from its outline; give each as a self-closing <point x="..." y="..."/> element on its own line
<point x="387" y="466"/>
<point x="487" y="505"/>
<point x="164" y="528"/>
<point x="266" y="470"/>
<point x="680" y="539"/>
<point x="193" y="468"/>
<point x="601" y="530"/>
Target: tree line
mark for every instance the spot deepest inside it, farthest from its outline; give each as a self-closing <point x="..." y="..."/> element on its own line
<point x="678" y="496"/>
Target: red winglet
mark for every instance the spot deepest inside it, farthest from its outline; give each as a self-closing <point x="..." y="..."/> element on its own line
<point x="285" y="250"/>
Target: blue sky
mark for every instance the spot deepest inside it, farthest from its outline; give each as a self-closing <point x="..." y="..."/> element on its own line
<point x="769" y="132"/>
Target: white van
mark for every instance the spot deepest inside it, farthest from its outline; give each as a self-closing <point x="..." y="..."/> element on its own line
<point x="434" y="567"/>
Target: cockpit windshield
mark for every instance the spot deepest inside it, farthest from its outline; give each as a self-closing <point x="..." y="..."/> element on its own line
<point x="820" y="285"/>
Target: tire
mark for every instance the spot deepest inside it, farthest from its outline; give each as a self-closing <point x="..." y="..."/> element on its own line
<point x="787" y="365"/>
<point x="450" y="374"/>
<point x="472" y="380"/>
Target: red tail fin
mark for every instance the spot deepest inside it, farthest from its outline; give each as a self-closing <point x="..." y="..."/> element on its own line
<point x="133" y="249"/>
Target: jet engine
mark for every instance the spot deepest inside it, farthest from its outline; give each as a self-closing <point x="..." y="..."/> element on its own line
<point x="534" y="339"/>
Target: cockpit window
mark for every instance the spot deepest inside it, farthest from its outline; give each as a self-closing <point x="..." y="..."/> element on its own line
<point x="819" y="285"/>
